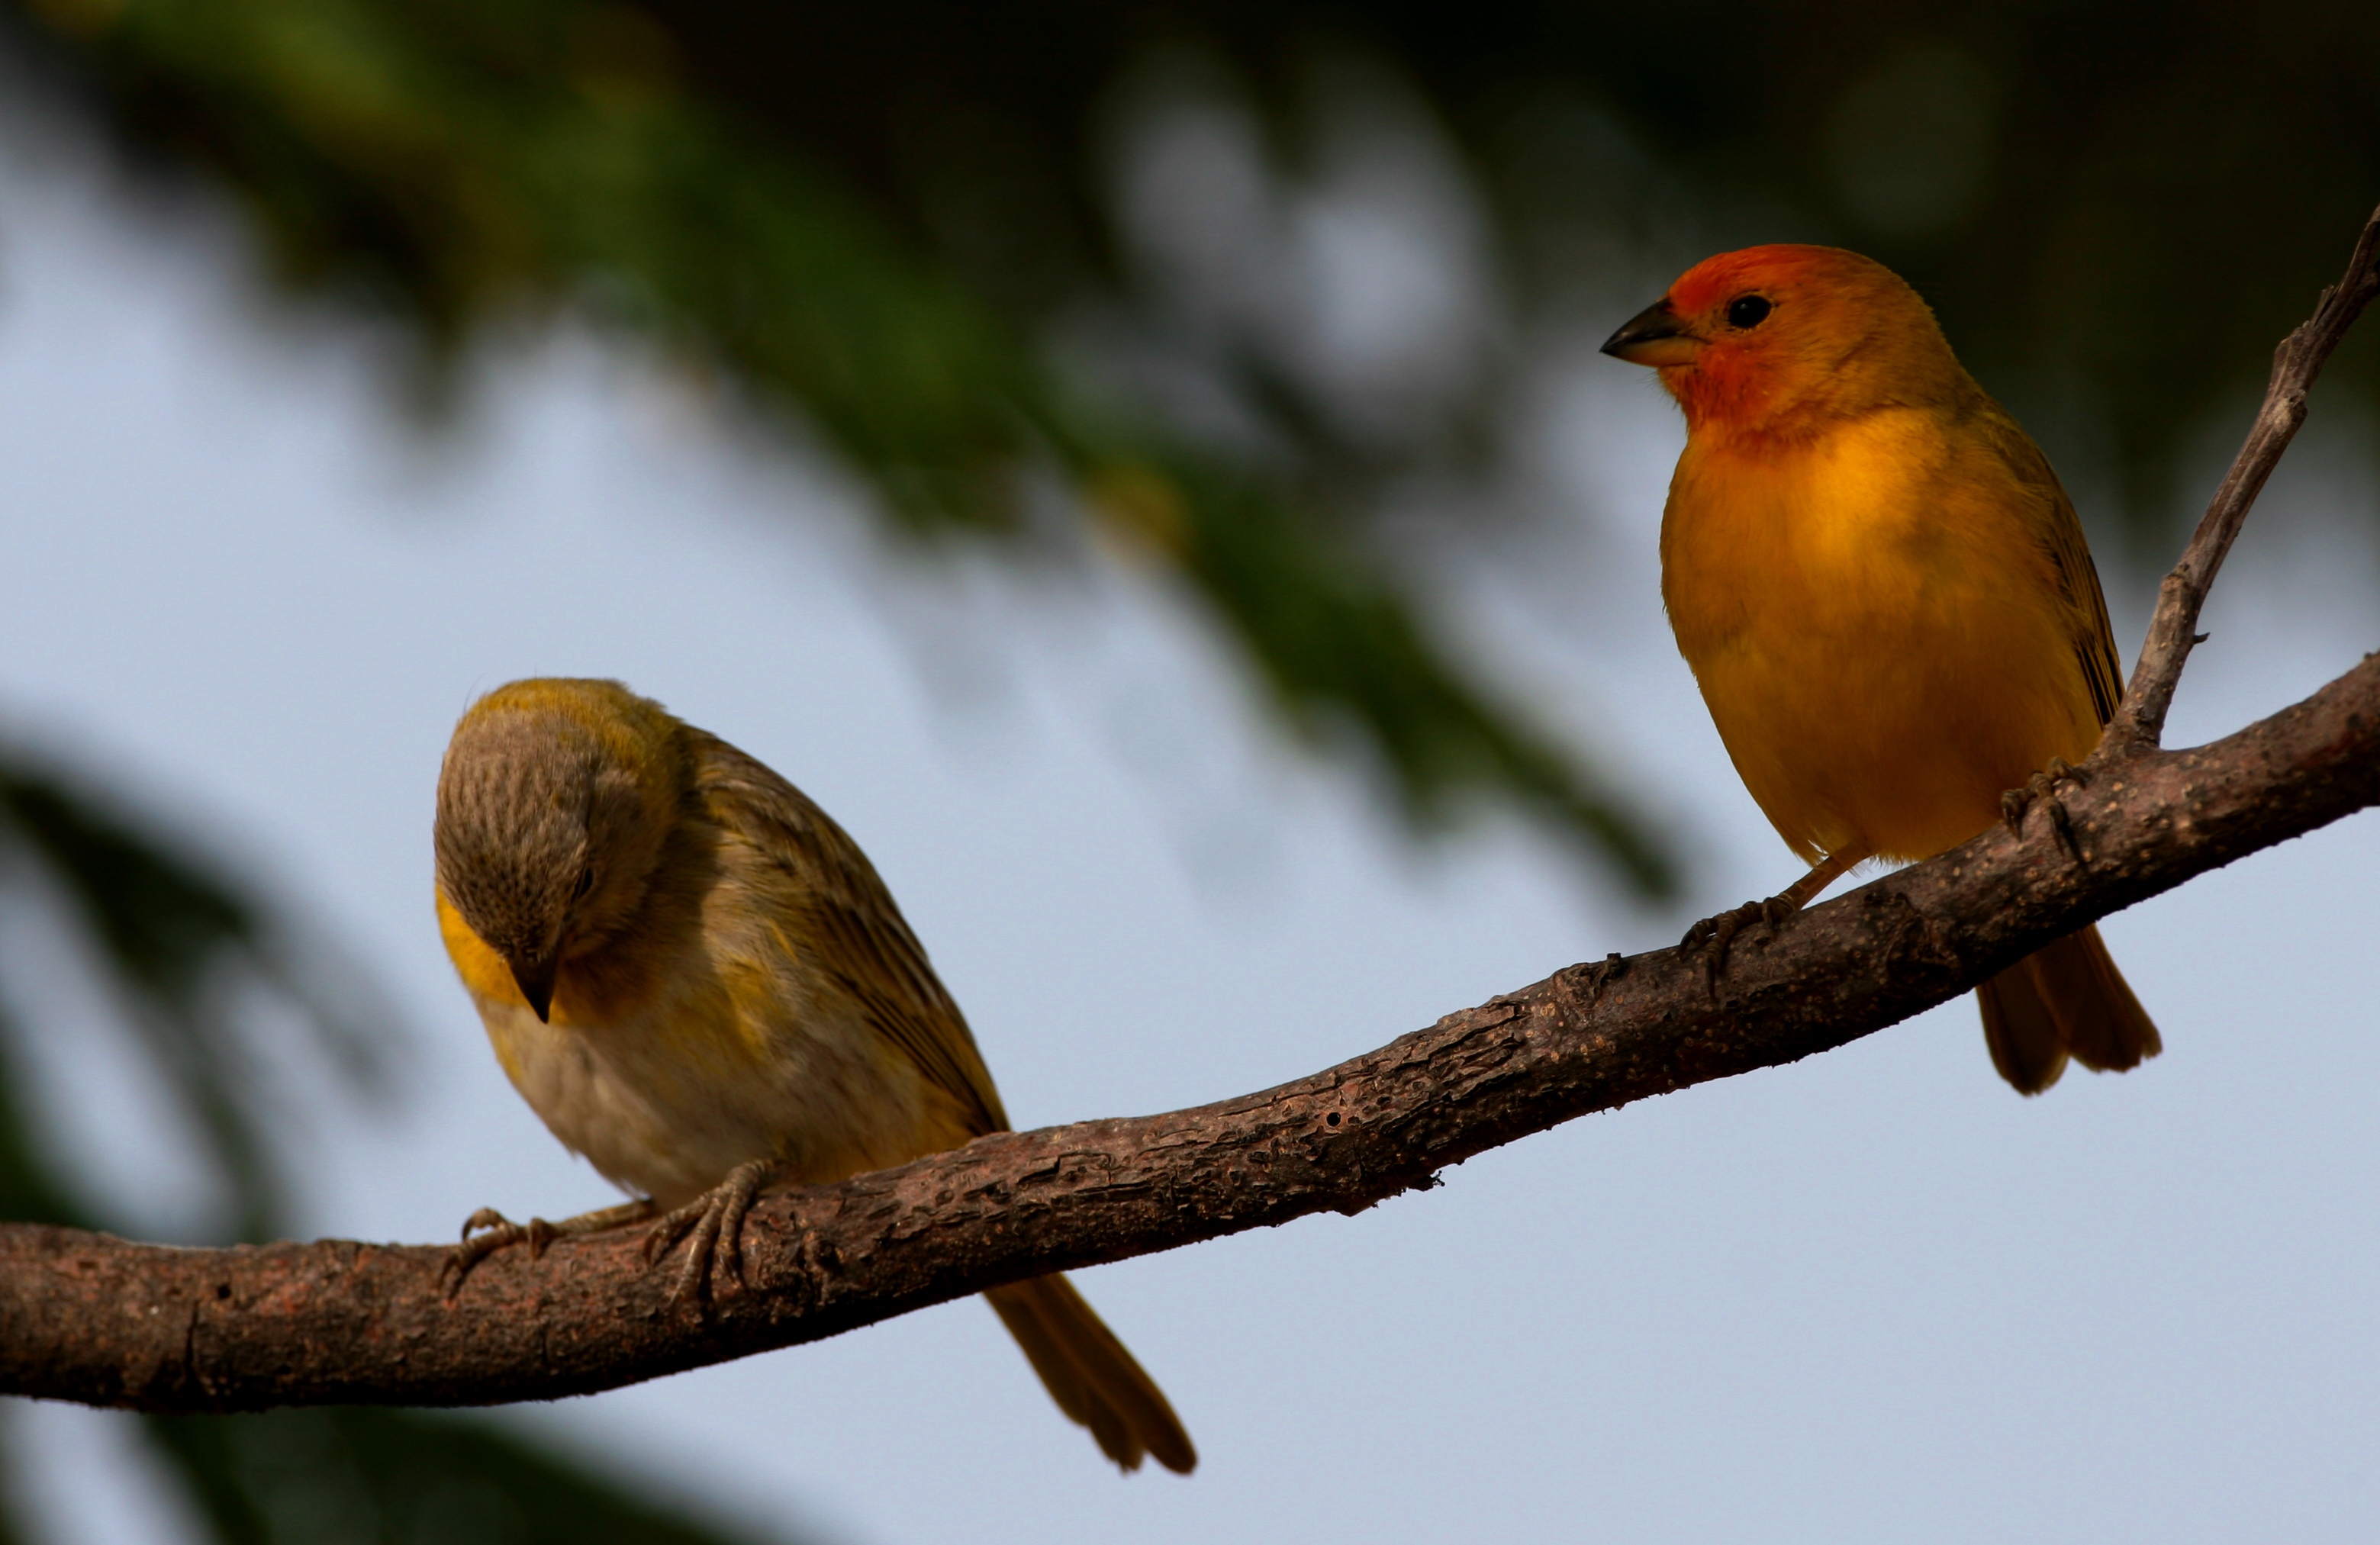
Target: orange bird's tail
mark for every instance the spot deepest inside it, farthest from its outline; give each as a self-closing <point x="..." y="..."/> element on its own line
<point x="2066" y="999"/>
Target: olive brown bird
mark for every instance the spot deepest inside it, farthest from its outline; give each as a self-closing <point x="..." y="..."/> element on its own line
<point x="1886" y="598"/>
<point x="697" y="981"/>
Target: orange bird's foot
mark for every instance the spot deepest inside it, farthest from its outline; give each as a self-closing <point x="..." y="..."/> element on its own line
<point x="488" y="1231"/>
<point x="2041" y="789"/>
<point x="1715" y="935"/>
<point x="715" y="1220"/>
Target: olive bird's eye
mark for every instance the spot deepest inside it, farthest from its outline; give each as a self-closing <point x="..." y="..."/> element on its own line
<point x="586" y="883"/>
<point x="1748" y="310"/>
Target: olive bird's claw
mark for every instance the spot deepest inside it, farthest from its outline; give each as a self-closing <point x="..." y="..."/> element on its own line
<point x="715" y="1222"/>
<point x="488" y="1231"/>
<point x="486" y="1217"/>
<point x="484" y="1233"/>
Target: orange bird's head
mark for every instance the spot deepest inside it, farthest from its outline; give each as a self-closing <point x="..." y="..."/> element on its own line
<point x="1778" y="341"/>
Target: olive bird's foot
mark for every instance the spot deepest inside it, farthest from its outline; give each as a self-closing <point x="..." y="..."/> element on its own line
<point x="488" y="1231"/>
<point x="715" y="1221"/>
<point x="2041" y="789"/>
<point x="1715" y="935"/>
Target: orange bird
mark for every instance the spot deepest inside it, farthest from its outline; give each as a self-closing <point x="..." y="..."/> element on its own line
<point x="1884" y="596"/>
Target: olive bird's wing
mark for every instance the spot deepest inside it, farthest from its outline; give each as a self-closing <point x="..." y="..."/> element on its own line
<point x="848" y="918"/>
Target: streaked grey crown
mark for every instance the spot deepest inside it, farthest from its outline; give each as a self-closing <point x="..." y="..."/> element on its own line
<point x="515" y="796"/>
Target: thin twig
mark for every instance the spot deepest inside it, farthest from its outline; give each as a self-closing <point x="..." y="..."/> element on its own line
<point x="2139" y="723"/>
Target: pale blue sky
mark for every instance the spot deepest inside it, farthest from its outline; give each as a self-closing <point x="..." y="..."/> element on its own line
<point x="1874" y="1297"/>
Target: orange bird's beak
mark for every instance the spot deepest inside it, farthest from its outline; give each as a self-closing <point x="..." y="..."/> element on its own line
<point x="1656" y="336"/>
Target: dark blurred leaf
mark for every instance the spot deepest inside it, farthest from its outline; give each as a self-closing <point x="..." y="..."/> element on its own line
<point x="30" y="1189"/>
<point x="356" y="1477"/>
<point x="175" y="934"/>
<point x="2119" y="205"/>
<point x="10" y="1506"/>
<point x="460" y="163"/>
<point x="1334" y="643"/>
<point x="872" y="215"/>
<point x="179" y="940"/>
<point x="875" y="215"/>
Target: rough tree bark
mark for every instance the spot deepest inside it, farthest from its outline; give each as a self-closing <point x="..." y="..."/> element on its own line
<point x="89" y="1317"/>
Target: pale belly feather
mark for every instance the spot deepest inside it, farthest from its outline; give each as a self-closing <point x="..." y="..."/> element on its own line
<point x="741" y="1057"/>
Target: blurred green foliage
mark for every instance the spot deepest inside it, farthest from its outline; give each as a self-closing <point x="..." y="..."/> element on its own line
<point x="890" y="222"/>
<point x="462" y="164"/>
<point x="175" y="941"/>
<point x="370" y="1477"/>
<point x="191" y="955"/>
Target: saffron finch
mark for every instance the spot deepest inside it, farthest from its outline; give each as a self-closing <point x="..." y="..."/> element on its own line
<point x="1884" y="596"/>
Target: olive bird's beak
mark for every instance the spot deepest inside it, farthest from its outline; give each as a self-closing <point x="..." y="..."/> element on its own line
<point x="534" y="980"/>
<point x="1656" y="336"/>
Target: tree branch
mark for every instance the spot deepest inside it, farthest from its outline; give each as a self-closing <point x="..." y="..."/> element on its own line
<point x="89" y="1318"/>
<point x="2173" y="631"/>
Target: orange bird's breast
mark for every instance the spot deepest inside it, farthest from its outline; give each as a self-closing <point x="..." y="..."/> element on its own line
<point x="1876" y="626"/>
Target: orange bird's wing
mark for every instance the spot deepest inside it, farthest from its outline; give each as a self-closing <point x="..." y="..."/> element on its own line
<point x="853" y="930"/>
<point x="2068" y="998"/>
<point x="2059" y="532"/>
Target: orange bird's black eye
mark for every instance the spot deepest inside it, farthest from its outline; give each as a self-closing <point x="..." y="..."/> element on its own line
<point x="1748" y="310"/>
<point x="586" y="883"/>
